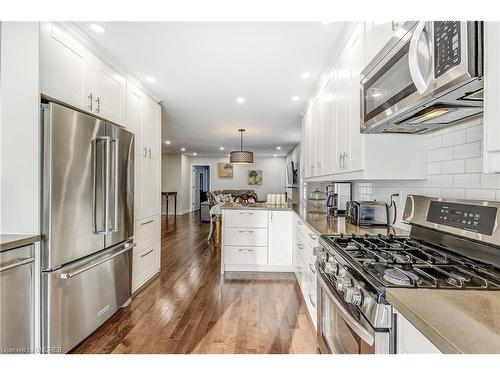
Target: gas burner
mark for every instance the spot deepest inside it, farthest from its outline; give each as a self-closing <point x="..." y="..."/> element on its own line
<point x="402" y="258"/>
<point x="397" y="277"/>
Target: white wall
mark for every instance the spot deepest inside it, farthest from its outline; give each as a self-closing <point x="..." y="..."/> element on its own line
<point x="273" y="175"/>
<point x="19" y="128"/>
<point x="454" y="170"/>
<point x="171" y="176"/>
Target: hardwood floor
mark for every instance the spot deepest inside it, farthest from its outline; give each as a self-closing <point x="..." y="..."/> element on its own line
<point x="190" y="308"/>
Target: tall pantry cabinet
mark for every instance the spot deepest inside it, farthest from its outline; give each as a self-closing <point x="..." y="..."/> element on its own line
<point x="72" y="74"/>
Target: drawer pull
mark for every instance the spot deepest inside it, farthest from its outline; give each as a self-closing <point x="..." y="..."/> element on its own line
<point x="312" y="268"/>
<point x="245" y="231"/>
<point x="312" y="302"/>
<point x="315" y="251"/>
<point x="149" y="252"/>
<point x="300" y="246"/>
<point x="147" y="222"/>
<point x="313" y="237"/>
<point x="299" y="222"/>
<point x="249" y="250"/>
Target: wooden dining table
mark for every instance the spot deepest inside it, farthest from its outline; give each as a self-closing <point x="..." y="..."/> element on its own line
<point x="168" y="194"/>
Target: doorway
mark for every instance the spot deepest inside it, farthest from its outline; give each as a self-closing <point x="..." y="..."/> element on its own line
<point x="201" y="185"/>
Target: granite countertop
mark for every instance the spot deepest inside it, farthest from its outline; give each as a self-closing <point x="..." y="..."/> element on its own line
<point x="11" y="241"/>
<point x="455" y="321"/>
<point x="319" y="222"/>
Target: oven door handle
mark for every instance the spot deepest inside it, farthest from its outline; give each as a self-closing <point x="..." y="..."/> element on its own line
<point x="415" y="71"/>
<point x="361" y="331"/>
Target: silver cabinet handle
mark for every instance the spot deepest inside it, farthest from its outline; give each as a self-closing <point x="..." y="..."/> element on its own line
<point x="312" y="268"/>
<point x="147" y="222"/>
<point x="299" y="222"/>
<point x="145" y="151"/>
<point x="20" y="262"/>
<point x="149" y="151"/>
<point x="146" y="254"/>
<point x="246" y="213"/>
<point x="313" y="237"/>
<point x="98" y="101"/>
<point x="311" y="300"/>
<point x="300" y="246"/>
<point x="245" y="231"/>
<point x="90" y="101"/>
<point x="249" y="250"/>
<point x="86" y="268"/>
<point x="345" y="160"/>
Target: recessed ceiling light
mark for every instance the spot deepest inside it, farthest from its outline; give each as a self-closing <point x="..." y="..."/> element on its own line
<point x="275" y="155"/>
<point x="278" y="147"/>
<point x="295" y="98"/>
<point x="194" y="154"/>
<point x="97" y="28"/>
<point x="150" y="79"/>
<point x="240" y="100"/>
<point x="305" y="75"/>
<point x="167" y="142"/>
<point x="183" y="149"/>
<point x="221" y="148"/>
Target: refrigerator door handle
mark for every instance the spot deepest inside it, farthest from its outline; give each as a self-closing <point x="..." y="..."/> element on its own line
<point x="95" y="145"/>
<point x="69" y="275"/>
<point x="114" y="178"/>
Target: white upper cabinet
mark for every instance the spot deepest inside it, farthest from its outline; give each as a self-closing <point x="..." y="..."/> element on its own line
<point x="333" y="146"/>
<point x="135" y="99"/>
<point x="492" y="98"/>
<point x="108" y="92"/>
<point x="70" y="73"/>
<point x="64" y="67"/>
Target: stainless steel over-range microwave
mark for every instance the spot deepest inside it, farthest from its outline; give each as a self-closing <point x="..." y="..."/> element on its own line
<point x="428" y="76"/>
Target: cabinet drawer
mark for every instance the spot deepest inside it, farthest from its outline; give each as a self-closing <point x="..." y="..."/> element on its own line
<point x="246" y="236"/>
<point x="245" y="255"/>
<point x="147" y="230"/>
<point x="245" y="218"/>
<point x="145" y="265"/>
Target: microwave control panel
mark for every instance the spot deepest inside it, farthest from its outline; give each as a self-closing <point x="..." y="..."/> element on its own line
<point x="446" y="46"/>
<point x="479" y="219"/>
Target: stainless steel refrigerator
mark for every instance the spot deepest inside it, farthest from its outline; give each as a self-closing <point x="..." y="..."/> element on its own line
<point x="87" y="224"/>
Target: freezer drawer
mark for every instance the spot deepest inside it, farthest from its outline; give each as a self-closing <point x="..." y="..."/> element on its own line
<point x="16" y="300"/>
<point x="78" y="298"/>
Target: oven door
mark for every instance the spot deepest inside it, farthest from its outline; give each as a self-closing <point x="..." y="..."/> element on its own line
<point x="340" y="331"/>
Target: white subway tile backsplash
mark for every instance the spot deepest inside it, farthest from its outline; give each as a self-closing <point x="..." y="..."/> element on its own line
<point x="480" y="194"/>
<point x="490" y="181"/>
<point x="467" y="150"/>
<point x="433" y="142"/>
<point x="453" y="193"/>
<point x="440" y="154"/>
<point x="441" y="180"/>
<point x="454" y="166"/>
<point x="466" y="181"/>
<point x="454" y="138"/>
<point x="434" y="168"/>
<point x="474" y="133"/>
<point x="474" y="165"/>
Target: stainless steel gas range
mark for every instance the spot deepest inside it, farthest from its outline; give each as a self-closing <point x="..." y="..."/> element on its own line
<point x="453" y="244"/>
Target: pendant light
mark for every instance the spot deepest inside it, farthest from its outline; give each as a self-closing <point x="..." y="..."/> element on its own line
<point x="241" y="157"/>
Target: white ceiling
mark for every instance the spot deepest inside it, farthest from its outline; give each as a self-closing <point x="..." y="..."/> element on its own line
<point x="201" y="68"/>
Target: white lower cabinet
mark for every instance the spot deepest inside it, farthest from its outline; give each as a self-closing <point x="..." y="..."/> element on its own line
<point x="146" y="258"/>
<point x="410" y="340"/>
<point x="306" y="244"/>
<point x="280" y="250"/>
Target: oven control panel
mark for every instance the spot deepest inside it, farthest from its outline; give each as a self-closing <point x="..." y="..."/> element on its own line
<point x="479" y="219"/>
<point x="446" y="46"/>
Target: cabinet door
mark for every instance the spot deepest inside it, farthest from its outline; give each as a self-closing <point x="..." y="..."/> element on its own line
<point x="303" y="148"/>
<point x="280" y="238"/>
<point x="318" y="136"/>
<point x="135" y="99"/>
<point x="410" y="340"/>
<point x="109" y="92"/>
<point x="313" y="136"/>
<point x="355" y="52"/>
<point x="64" y="67"/>
<point x="327" y="138"/>
<point x="152" y="127"/>
<point x="153" y="184"/>
<point x="140" y="191"/>
<point x="307" y="144"/>
<point x="342" y="111"/>
<point x="491" y="98"/>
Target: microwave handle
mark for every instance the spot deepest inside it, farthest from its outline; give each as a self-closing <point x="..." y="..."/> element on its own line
<point x="415" y="72"/>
